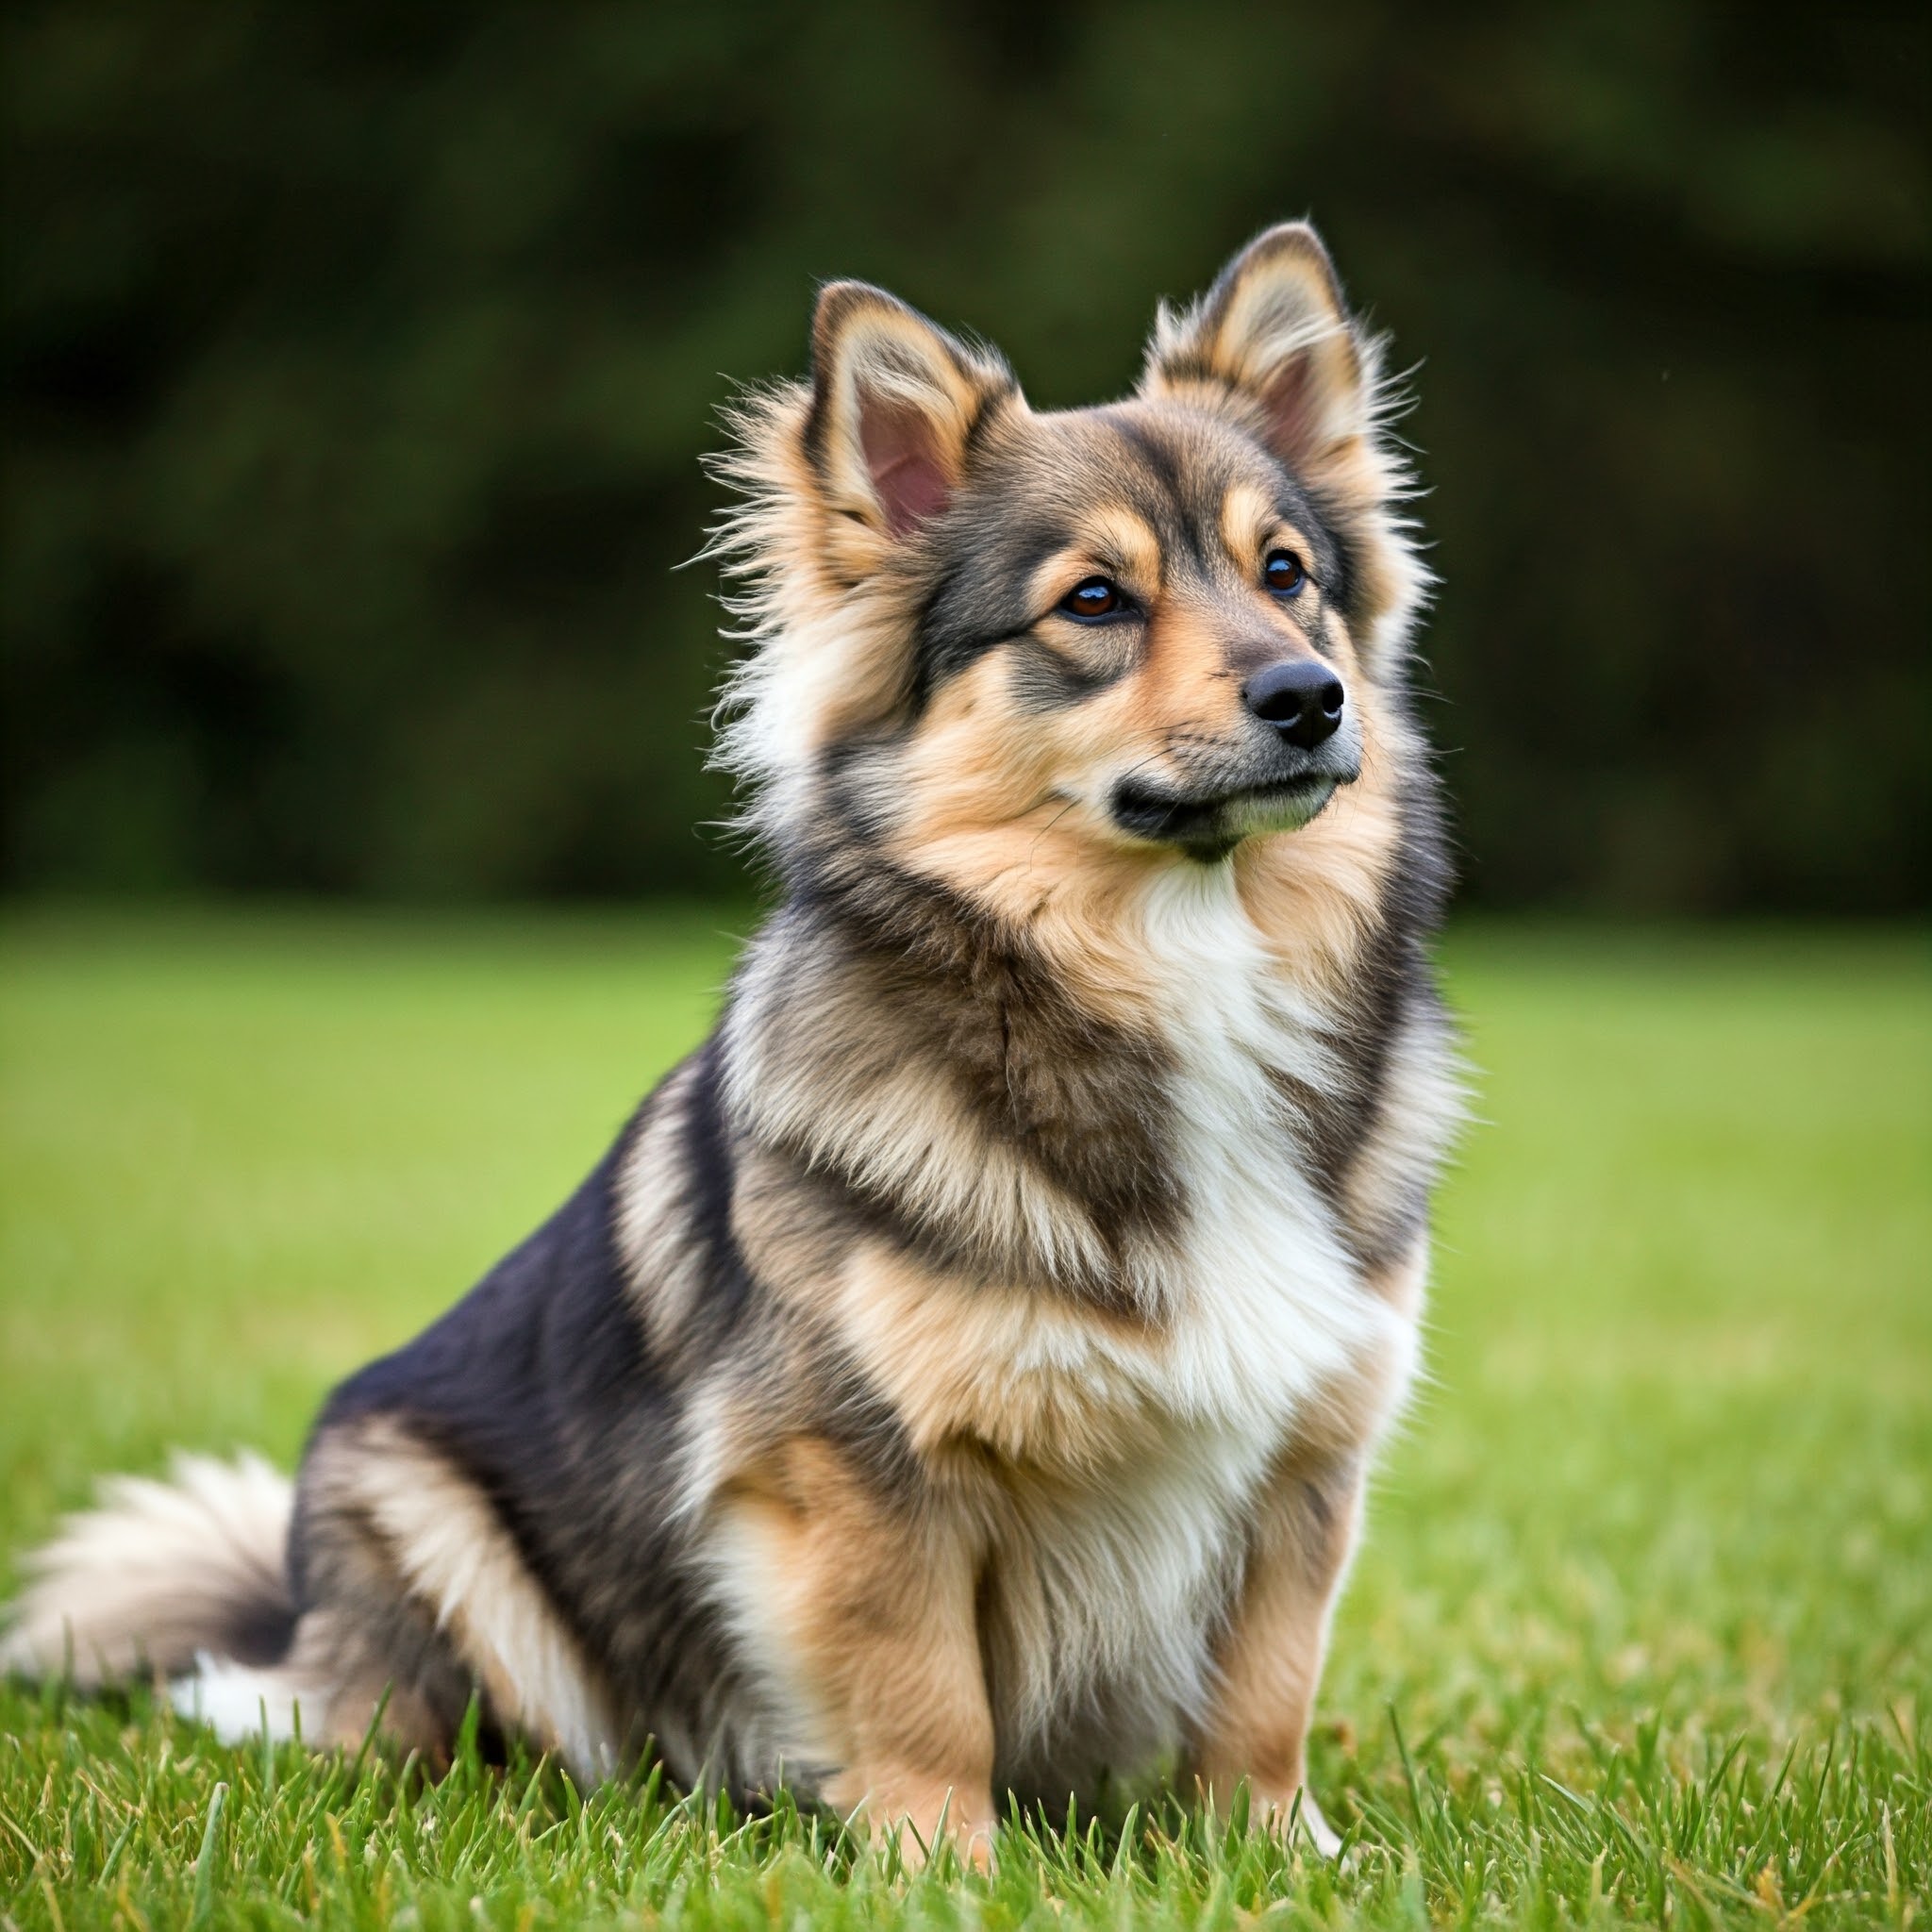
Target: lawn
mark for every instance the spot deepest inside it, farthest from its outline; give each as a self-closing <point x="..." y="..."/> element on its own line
<point x="1642" y="1633"/>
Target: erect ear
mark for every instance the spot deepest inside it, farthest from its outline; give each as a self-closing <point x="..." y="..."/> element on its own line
<point x="894" y="403"/>
<point x="1273" y="331"/>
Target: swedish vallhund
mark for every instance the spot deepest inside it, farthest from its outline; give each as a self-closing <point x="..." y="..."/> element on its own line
<point x="960" y="1377"/>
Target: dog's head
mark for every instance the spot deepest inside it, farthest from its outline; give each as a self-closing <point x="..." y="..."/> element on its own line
<point x="995" y="644"/>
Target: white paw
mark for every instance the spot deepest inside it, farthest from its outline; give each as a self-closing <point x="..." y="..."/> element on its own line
<point x="1321" y="1834"/>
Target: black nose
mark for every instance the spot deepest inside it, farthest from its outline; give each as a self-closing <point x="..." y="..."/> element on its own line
<point x="1301" y="697"/>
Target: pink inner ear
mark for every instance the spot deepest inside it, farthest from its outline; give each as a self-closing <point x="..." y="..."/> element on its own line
<point x="902" y="455"/>
<point x="1294" y="410"/>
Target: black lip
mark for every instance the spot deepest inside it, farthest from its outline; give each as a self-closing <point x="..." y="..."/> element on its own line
<point x="1198" y="822"/>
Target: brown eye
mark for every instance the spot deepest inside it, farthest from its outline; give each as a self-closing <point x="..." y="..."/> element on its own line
<point x="1283" y="573"/>
<point x="1096" y="598"/>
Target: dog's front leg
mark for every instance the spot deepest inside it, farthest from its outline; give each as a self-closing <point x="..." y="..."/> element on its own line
<point x="1257" y="1726"/>
<point x="871" y="1616"/>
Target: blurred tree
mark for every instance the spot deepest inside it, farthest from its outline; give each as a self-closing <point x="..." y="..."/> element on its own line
<point x="357" y="357"/>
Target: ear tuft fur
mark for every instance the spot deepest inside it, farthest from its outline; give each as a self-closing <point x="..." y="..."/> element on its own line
<point x="895" y="401"/>
<point x="1274" y="333"/>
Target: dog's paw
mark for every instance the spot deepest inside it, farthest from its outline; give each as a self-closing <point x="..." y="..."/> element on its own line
<point x="1321" y="1834"/>
<point x="920" y="1824"/>
<point x="1274" y="1811"/>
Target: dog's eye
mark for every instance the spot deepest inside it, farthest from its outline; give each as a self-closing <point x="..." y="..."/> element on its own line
<point x="1283" y="573"/>
<point x="1096" y="598"/>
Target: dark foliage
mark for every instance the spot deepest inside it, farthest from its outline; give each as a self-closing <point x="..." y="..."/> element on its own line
<point x="357" y="359"/>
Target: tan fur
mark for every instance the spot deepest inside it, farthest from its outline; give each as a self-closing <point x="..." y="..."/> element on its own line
<point x="1040" y="1382"/>
<point x="879" y="1616"/>
<point x="1270" y="1661"/>
<point x="1114" y="541"/>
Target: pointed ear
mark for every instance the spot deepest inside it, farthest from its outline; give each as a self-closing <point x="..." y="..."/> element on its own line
<point x="1274" y="333"/>
<point x="894" y="403"/>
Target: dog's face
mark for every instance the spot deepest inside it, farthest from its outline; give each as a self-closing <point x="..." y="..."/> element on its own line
<point x="1139" y="634"/>
<point x="1157" y="607"/>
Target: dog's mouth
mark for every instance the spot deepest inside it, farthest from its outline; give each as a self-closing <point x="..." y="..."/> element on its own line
<point x="1209" y="825"/>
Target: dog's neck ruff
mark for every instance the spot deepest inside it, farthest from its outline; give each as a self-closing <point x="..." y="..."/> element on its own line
<point x="1082" y="1126"/>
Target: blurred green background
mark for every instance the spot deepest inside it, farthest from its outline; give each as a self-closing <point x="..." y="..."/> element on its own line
<point x="358" y="360"/>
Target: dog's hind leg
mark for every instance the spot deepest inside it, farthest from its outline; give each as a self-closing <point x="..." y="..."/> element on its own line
<point x="418" y="1592"/>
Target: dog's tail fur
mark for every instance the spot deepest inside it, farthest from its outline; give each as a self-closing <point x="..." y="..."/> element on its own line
<point x="171" y="1580"/>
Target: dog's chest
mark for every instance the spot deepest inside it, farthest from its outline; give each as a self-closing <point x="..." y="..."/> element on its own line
<point x="1262" y="1315"/>
<point x="1100" y="1601"/>
<point x="1269" y="1299"/>
<point x="1236" y="1320"/>
<point x="1124" y="1462"/>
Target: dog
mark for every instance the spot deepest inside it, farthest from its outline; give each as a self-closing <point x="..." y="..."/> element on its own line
<point x="959" y="1380"/>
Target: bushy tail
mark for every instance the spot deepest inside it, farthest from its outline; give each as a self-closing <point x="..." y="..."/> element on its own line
<point x="159" y="1575"/>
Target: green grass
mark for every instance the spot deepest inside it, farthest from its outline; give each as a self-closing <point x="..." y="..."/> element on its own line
<point x="1641" y="1633"/>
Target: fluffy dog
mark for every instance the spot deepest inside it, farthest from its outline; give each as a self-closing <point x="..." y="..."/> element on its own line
<point x="962" y="1376"/>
